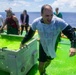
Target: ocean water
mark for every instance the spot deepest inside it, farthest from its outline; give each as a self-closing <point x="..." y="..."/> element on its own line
<point x="69" y="17"/>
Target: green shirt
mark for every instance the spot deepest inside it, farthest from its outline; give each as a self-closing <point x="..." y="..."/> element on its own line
<point x="59" y="15"/>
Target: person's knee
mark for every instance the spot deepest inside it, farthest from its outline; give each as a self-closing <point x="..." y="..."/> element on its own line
<point x="48" y="61"/>
<point x="41" y="67"/>
<point x="41" y="64"/>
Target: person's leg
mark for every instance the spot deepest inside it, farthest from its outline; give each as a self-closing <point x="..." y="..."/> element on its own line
<point x="44" y="61"/>
<point x="59" y="37"/>
<point x="47" y="63"/>
<point x="22" y="28"/>
<point x="26" y="28"/>
<point x="41" y="67"/>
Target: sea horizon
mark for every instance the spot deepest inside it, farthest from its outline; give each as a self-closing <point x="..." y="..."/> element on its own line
<point x="69" y="17"/>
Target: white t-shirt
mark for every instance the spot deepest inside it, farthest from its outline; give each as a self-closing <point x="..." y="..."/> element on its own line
<point x="48" y="33"/>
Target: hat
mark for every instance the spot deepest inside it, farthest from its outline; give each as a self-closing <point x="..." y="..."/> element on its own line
<point x="8" y="10"/>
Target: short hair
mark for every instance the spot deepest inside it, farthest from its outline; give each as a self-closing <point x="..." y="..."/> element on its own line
<point x="57" y="8"/>
<point x="43" y="7"/>
<point x="25" y="11"/>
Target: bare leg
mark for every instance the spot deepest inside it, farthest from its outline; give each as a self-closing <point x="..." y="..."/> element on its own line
<point x="22" y="28"/>
<point x="47" y="63"/>
<point x="43" y="66"/>
<point x="26" y="28"/>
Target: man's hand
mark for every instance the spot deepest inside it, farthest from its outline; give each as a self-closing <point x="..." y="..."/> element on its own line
<point x="72" y="52"/>
<point x="18" y="32"/>
<point x="22" y="25"/>
<point x="21" y="45"/>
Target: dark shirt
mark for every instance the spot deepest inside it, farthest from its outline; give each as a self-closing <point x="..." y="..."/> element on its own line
<point x="26" y="20"/>
<point x="12" y="27"/>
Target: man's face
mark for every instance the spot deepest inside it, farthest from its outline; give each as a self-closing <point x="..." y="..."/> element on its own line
<point x="24" y="12"/>
<point x="9" y="15"/>
<point x="47" y="15"/>
<point x="56" y="10"/>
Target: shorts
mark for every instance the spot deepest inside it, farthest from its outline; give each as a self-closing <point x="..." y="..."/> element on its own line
<point x="42" y="55"/>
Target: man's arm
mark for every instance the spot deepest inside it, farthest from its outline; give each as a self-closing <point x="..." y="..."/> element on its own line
<point x="70" y="33"/>
<point x="17" y="22"/>
<point x="27" y="37"/>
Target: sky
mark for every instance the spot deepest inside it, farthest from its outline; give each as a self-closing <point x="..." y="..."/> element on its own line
<point x="35" y="5"/>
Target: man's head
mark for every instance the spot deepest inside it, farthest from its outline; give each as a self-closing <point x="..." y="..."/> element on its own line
<point x="57" y="9"/>
<point x="24" y="12"/>
<point x="9" y="13"/>
<point x="47" y="13"/>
